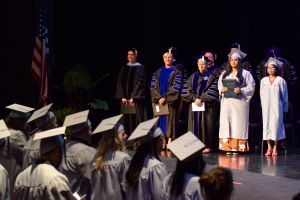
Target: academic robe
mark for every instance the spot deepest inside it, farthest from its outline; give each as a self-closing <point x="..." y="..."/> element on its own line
<point x="167" y="83"/>
<point x="10" y="163"/>
<point x="234" y="114"/>
<point x="31" y="152"/>
<point x="150" y="181"/>
<point x="107" y="183"/>
<point x="76" y="165"/>
<point x="131" y="83"/>
<point x="4" y="184"/>
<point x="191" y="188"/>
<point x="42" y="181"/>
<point x="17" y="141"/>
<point x="274" y="101"/>
<point x="205" y="87"/>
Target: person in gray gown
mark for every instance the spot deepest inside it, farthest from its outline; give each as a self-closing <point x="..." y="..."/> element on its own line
<point x="111" y="161"/>
<point x="13" y="150"/>
<point x="42" y="119"/>
<point x="4" y="177"/>
<point x="79" y="154"/>
<point x="42" y="180"/>
<point x="183" y="182"/>
<point x="16" y="121"/>
<point x="146" y="172"/>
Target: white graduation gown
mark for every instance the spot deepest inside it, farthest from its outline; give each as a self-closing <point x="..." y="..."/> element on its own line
<point x="41" y="181"/>
<point x="150" y="181"/>
<point x="274" y="101"/>
<point x="234" y="114"/>
<point x="107" y="184"/>
<point x="4" y="184"/>
<point x="191" y="188"/>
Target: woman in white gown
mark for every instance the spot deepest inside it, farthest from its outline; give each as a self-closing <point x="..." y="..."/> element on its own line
<point x="234" y="115"/>
<point x="274" y="101"/>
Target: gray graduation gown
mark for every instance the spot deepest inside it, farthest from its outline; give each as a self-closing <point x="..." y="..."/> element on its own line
<point x="41" y="181"/>
<point x="150" y="181"/>
<point x="191" y="188"/>
<point x="4" y="184"/>
<point x="77" y="166"/>
<point x="31" y="152"/>
<point x="107" y="184"/>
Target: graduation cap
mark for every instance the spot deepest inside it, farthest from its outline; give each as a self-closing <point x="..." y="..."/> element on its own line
<point x="237" y="53"/>
<point x="39" y="113"/>
<point x="273" y="61"/>
<point x="50" y="139"/>
<point x="185" y="146"/>
<point x="77" y="121"/>
<point x="203" y="58"/>
<point x="146" y="131"/>
<point x="4" y="132"/>
<point x="109" y="127"/>
<point x="19" y="111"/>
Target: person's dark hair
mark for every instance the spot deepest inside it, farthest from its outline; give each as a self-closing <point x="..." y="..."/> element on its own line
<point x="273" y="51"/>
<point x="133" y="50"/>
<point x="228" y="70"/>
<point x="18" y="124"/>
<point x="212" y="51"/>
<point x="235" y="45"/>
<point x="137" y="162"/>
<point x="195" y="166"/>
<point x="217" y="184"/>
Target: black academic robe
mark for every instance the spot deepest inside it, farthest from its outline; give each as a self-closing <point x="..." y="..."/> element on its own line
<point x="205" y="87"/>
<point x="131" y="83"/>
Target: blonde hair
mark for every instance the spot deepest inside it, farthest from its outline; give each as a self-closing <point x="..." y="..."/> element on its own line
<point x="106" y="145"/>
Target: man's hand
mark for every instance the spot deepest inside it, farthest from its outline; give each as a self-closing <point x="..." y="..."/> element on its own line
<point x="131" y="102"/>
<point x="161" y="101"/>
<point x="198" y="102"/>
<point x="125" y="101"/>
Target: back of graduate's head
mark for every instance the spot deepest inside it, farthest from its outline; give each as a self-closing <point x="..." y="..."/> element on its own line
<point x="52" y="145"/>
<point x="217" y="184"/>
<point x="18" y="117"/>
<point x="147" y="134"/>
<point x="188" y="151"/>
<point x="55" y="153"/>
<point x="46" y="122"/>
<point x="110" y="143"/>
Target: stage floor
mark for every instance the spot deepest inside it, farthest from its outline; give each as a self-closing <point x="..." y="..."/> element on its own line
<point x="256" y="176"/>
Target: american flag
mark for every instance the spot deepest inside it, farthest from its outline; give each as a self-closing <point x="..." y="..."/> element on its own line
<point x="39" y="64"/>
